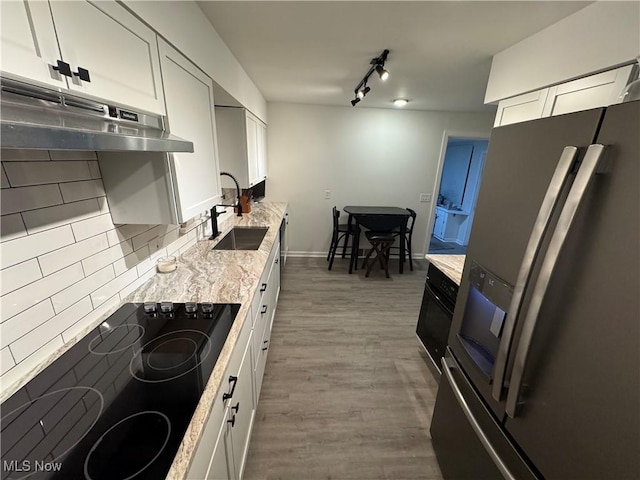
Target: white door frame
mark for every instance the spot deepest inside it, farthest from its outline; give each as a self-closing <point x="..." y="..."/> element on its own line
<point x="448" y="134"/>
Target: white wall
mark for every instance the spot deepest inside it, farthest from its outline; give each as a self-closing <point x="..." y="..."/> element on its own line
<point x="601" y="36"/>
<point x="184" y="25"/>
<point x="63" y="263"/>
<point x="365" y="156"/>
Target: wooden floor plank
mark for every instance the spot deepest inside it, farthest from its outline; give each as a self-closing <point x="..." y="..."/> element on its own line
<point x="347" y="393"/>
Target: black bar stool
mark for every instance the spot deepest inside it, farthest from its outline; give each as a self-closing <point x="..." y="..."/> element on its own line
<point x="340" y="232"/>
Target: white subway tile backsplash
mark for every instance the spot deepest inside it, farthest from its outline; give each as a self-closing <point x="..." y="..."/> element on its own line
<point x="94" y="169"/>
<point x="187" y="246"/>
<point x="11" y="155"/>
<point x="12" y="227"/>
<point x="72" y="155"/>
<point x="31" y="246"/>
<point x="28" y="296"/>
<point x="136" y="284"/>
<point x="105" y="257"/>
<point x="29" y="343"/>
<point x="180" y="242"/>
<point x="125" y="232"/>
<point x="12" y="278"/>
<point x="46" y="218"/>
<point x="107" y="291"/>
<point x="26" y="321"/>
<point x="146" y="237"/>
<point x="131" y="260"/>
<point x="103" y="204"/>
<point x="54" y="261"/>
<point x="27" y="364"/>
<point x="89" y="320"/>
<point x="150" y="263"/>
<point x="164" y="241"/>
<point x="74" y="191"/>
<point x="22" y="174"/>
<point x="6" y="360"/>
<point x="36" y="350"/>
<point x="16" y="200"/>
<point x="67" y="297"/>
<point x="5" y="180"/>
<point x="92" y="226"/>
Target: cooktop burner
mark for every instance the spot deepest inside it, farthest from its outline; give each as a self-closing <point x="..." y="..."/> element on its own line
<point x="116" y="405"/>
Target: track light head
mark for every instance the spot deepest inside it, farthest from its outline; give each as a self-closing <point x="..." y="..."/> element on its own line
<point x="382" y="73"/>
<point x="354" y="101"/>
<point x="362" y="91"/>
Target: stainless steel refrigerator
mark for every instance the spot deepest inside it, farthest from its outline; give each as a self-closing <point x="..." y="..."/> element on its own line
<point x="541" y="378"/>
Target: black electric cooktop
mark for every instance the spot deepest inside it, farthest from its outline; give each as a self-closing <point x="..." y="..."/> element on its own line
<point x="116" y="405"/>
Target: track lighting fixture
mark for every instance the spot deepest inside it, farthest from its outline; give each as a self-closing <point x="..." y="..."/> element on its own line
<point x="377" y="65"/>
<point x="382" y="73"/>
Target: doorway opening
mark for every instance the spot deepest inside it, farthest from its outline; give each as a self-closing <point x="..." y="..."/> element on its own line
<point x="459" y="183"/>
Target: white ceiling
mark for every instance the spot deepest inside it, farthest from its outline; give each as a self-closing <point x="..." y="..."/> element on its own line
<point x="317" y="52"/>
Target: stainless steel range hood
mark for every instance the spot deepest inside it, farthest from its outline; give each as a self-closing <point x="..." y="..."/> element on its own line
<point x="42" y="119"/>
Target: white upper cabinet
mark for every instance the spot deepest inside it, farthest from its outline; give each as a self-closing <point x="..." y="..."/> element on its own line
<point x="243" y="146"/>
<point x="159" y="188"/>
<point x="585" y="93"/>
<point x="29" y="46"/>
<point x="190" y="112"/>
<point x="108" y="53"/>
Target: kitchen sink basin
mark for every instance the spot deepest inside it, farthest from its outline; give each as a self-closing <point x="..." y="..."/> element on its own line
<point x="242" y="238"/>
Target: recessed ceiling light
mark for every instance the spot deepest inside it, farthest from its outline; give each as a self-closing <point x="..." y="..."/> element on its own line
<point x="400" y="102"/>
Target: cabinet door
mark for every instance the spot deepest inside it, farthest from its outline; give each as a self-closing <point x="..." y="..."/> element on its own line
<point x="242" y="401"/>
<point x="119" y="51"/>
<point x="262" y="151"/>
<point x="29" y="45"/>
<point x="219" y="467"/>
<point x="190" y="114"/>
<point x="593" y="91"/>
<point x="521" y="108"/>
<point x="252" y="148"/>
<point x="438" y="228"/>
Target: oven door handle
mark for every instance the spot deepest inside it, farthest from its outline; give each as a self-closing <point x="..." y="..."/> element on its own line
<point x="438" y="300"/>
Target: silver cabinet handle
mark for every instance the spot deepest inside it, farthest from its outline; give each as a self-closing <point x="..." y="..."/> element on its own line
<point x="574" y="199"/>
<point x="446" y="369"/>
<point x="547" y="207"/>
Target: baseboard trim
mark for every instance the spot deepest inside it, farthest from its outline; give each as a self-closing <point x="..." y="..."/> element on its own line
<point x="302" y="254"/>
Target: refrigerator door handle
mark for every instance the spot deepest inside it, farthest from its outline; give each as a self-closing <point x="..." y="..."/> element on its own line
<point x="446" y="369"/>
<point x="583" y="178"/>
<point x="547" y="207"/>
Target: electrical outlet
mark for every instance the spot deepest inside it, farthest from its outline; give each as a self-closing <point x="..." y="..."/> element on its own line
<point x="425" y="197"/>
<point x="327" y="194"/>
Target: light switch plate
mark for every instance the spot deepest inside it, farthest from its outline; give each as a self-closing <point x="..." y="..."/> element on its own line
<point x="425" y="197"/>
<point x="327" y="194"/>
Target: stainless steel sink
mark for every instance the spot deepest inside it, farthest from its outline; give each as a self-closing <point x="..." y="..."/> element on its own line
<point x="242" y="238"/>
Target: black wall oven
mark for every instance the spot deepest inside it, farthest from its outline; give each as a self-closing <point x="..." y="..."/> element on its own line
<point x="436" y="312"/>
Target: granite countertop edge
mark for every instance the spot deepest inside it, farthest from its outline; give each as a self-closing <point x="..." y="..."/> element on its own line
<point x="450" y="265"/>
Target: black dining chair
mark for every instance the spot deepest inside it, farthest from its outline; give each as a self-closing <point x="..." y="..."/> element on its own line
<point x="382" y="233"/>
<point x="340" y="231"/>
<point x="408" y="234"/>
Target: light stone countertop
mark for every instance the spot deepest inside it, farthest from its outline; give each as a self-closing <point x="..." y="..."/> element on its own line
<point x="203" y="275"/>
<point x="450" y="265"/>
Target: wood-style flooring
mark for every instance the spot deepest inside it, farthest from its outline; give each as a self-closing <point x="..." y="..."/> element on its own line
<point x="347" y="391"/>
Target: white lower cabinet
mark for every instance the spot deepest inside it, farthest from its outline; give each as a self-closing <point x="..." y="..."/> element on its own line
<point x="265" y="310"/>
<point x="224" y="444"/>
<point x="231" y="418"/>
